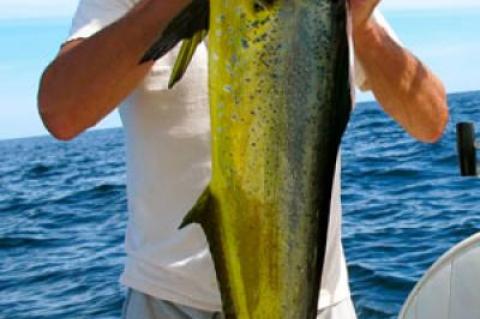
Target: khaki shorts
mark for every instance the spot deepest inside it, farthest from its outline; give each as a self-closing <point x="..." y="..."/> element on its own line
<point x="141" y="306"/>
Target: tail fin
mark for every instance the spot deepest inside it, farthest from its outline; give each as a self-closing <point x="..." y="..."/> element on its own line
<point x="185" y="57"/>
<point x="194" y="18"/>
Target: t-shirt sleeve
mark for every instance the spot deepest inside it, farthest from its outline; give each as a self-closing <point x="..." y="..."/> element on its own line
<point x="360" y="77"/>
<point x="94" y="15"/>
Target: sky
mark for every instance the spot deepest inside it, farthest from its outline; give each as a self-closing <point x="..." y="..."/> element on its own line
<point x="64" y="8"/>
<point x="442" y="33"/>
<point x="401" y="5"/>
<point x="17" y="9"/>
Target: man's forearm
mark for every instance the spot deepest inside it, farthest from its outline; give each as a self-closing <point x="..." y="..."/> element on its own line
<point x="90" y="78"/>
<point x="405" y="88"/>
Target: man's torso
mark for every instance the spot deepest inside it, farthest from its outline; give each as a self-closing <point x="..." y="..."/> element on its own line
<point x="168" y="166"/>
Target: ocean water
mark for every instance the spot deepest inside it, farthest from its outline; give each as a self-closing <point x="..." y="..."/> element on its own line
<point x="63" y="214"/>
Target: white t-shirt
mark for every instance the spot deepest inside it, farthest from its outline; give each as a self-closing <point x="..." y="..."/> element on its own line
<point x="168" y="166"/>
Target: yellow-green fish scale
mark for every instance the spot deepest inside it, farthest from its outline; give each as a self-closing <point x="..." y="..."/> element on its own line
<point x="275" y="134"/>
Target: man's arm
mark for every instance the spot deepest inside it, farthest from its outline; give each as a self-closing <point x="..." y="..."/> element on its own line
<point x="409" y="92"/>
<point x="90" y="77"/>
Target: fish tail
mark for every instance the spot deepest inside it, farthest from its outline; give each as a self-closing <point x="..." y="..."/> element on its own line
<point x="185" y="57"/>
<point x="194" y="18"/>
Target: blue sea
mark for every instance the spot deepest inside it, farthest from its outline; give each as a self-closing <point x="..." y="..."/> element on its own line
<point x="63" y="214"/>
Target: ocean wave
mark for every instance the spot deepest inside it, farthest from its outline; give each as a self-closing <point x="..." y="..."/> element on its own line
<point x="96" y="193"/>
<point x="8" y="242"/>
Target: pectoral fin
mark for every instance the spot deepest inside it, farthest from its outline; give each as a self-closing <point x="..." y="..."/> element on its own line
<point x="200" y="210"/>
<point x="193" y="19"/>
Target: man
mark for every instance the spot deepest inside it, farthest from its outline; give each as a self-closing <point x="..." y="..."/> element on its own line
<point x="169" y="272"/>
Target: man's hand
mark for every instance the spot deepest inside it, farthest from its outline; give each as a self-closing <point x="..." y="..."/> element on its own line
<point x="362" y="10"/>
<point x="405" y="88"/>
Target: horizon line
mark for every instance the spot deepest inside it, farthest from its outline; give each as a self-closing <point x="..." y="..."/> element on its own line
<point x="46" y="135"/>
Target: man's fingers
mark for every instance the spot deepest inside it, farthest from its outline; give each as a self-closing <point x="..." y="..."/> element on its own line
<point x="362" y="10"/>
<point x="364" y="5"/>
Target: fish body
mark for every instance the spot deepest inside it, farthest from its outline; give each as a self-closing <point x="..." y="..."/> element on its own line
<point x="280" y="99"/>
